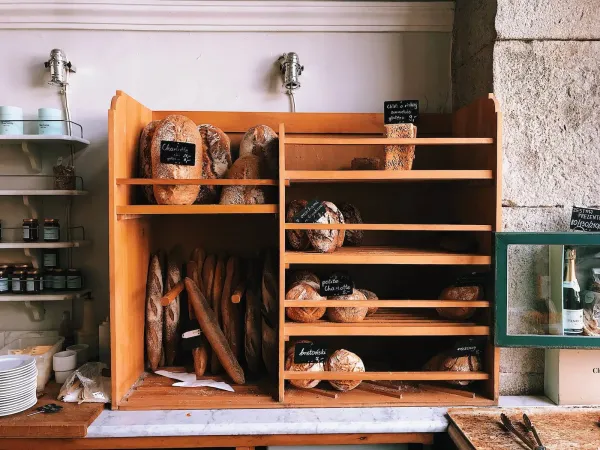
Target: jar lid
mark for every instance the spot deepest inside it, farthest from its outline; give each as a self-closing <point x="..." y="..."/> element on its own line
<point x="59" y="271"/>
<point x="22" y="266"/>
<point x="33" y="272"/>
<point x="49" y="113"/>
<point x="3" y="272"/>
<point x="51" y="220"/>
<point x="14" y="111"/>
<point x="29" y="220"/>
<point x="18" y="272"/>
<point x="73" y="270"/>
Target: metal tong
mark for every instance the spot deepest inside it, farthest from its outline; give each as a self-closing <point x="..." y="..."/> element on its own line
<point x="529" y="426"/>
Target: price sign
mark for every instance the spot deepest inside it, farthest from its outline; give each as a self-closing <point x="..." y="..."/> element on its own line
<point x="338" y="283"/>
<point x="401" y="111"/>
<point x="179" y="153"/>
<point x="309" y="352"/>
<point x="585" y="219"/>
<point x="312" y="213"/>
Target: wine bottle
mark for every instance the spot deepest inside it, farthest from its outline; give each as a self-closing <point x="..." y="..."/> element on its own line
<point x="572" y="305"/>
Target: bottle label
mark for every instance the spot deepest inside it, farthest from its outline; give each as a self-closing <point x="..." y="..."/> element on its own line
<point x="50" y="260"/>
<point x="3" y="284"/>
<point x="25" y="232"/>
<point x="30" y="285"/>
<point x="16" y="285"/>
<point x="573" y="320"/>
<point x="74" y="282"/>
<point x="571" y="285"/>
<point x="58" y="282"/>
<point x="51" y="233"/>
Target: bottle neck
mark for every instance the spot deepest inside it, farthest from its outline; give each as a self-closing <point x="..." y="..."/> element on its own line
<point x="570" y="275"/>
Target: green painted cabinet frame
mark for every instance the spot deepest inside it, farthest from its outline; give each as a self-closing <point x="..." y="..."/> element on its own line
<point x="502" y="338"/>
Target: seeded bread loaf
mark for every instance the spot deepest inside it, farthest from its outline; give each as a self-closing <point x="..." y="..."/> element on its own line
<point x="247" y="167"/>
<point x="400" y="157"/>
<point x="327" y="241"/>
<point x="262" y="141"/>
<point x="297" y="239"/>
<point x="145" y="160"/>
<point x="344" y="361"/>
<point x="216" y="161"/>
<point x="154" y="313"/>
<point x="305" y="290"/>
<point x="176" y="128"/>
<point x="348" y="314"/>
<point x="352" y="215"/>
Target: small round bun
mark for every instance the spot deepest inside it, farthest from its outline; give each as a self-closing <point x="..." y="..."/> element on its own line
<point x="352" y="215"/>
<point x="370" y="296"/>
<point x="306" y="367"/>
<point x="304" y="290"/>
<point x="348" y="314"/>
<point x="297" y="239"/>
<point x="344" y="361"/>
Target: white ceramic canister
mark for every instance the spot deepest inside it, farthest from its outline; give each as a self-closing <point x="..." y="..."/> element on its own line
<point x="47" y="124"/>
<point x="11" y="120"/>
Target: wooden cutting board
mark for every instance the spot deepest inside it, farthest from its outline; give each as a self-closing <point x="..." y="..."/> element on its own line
<point x="559" y="428"/>
<point x="71" y="422"/>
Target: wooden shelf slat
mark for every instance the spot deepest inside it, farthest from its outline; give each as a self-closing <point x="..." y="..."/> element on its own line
<point x="40" y="192"/>
<point x="71" y="244"/>
<point x="198" y="181"/>
<point x="380" y="329"/>
<point x="387" y="376"/>
<point x="389" y="303"/>
<point x="386" y="227"/>
<point x="195" y="209"/>
<point x="48" y="297"/>
<point x="386" y="141"/>
<point x="341" y="176"/>
<point x="385" y="255"/>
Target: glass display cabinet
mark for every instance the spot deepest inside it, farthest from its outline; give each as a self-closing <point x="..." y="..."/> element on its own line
<point x="548" y="290"/>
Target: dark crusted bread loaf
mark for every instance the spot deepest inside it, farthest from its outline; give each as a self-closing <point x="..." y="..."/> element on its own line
<point x="177" y="129"/>
<point x="154" y="313"/>
<point x="327" y="241"/>
<point x="172" y="315"/>
<point x="216" y="161"/>
<point x="247" y="167"/>
<point x="302" y="275"/>
<point x="445" y="362"/>
<point x="262" y="141"/>
<point x="352" y="215"/>
<point x="370" y="296"/>
<point x="366" y="164"/>
<point x="145" y="159"/>
<point x="468" y="293"/>
<point x="304" y="290"/>
<point x="348" y="314"/>
<point x="344" y="361"/>
<point x="298" y="239"/>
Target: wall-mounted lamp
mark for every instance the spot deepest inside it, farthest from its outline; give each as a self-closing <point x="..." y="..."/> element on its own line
<point x="289" y="65"/>
<point x="60" y="67"/>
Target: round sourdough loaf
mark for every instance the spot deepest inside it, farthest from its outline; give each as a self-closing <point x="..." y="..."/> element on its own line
<point x="216" y="161"/>
<point x="247" y="167"/>
<point x="298" y="239"/>
<point x="327" y="241"/>
<point x="351" y="214"/>
<point x="467" y="293"/>
<point x="303" y="275"/>
<point x="262" y="141"/>
<point x="347" y="314"/>
<point x="370" y="296"/>
<point x="145" y="159"/>
<point x="303" y="367"/>
<point x="445" y="362"/>
<point x="177" y="129"/>
<point x="344" y="361"/>
<point x="304" y="290"/>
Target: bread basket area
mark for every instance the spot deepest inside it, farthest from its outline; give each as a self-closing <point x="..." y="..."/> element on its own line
<point x="422" y="229"/>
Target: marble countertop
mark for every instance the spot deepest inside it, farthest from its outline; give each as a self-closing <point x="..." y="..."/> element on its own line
<point x="235" y="422"/>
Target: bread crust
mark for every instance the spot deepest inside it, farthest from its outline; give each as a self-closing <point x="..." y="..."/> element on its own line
<point x="344" y="361"/>
<point x="216" y="161"/>
<point x="297" y="239"/>
<point x="304" y="290"/>
<point x="154" y="313"/>
<point x="262" y="141"/>
<point x="145" y="160"/>
<point x="247" y="167"/>
<point x="351" y="314"/>
<point x="172" y="316"/>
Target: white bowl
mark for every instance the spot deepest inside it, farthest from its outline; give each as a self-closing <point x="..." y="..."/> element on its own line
<point x="63" y="361"/>
<point x="61" y="377"/>
<point x="82" y="353"/>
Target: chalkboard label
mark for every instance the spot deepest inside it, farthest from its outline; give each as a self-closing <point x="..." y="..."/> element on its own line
<point x="313" y="212"/>
<point x="467" y="347"/>
<point x="585" y="219"/>
<point x="401" y="111"/>
<point x="309" y="352"/>
<point x="338" y="283"/>
<point x="180" y="153"/>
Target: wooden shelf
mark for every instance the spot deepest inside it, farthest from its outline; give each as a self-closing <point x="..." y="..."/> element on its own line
<point x="388" y="303"/>
<point x="344" y="176"/>
<point x="200" y="181"/>
<point x="386" y="141"/>
<point x="71" y="244"/>
<point x="387" y="376"/>
<point x="137" y="210"/>
<point x="386" y="227"/>
<point x="40" y="192"/>
<point x="53" y="297"/>
<point x="385" y="255"/>
<point x="78" y="143"/>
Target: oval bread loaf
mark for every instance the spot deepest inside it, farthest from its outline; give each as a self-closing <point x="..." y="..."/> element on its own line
<point x="262" y="141"/>
<point x="467" y="293"/>
<point x="176" y="128"/>
<point x="348" y="314"/>
<point x="327" y="241"/>
<point x="307" y="367"/>
<point x="344" y="361"/>
<point x="352" y="215"/>
<point x="298" y="239"/>
<point x="304" y="290"/>
<point x="247" y="167"/>
<point x="444" y="362"/>
<point x="216" y="161"/>
<point x="370" y="296"/>
<point x="145" y="159"/>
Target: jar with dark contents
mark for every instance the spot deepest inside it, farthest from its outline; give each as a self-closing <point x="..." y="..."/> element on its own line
<point x="24" y="267"/>
<point x="48" y="280"/>
<point x="4" y="282"/>
<point x="33" y="284"/>
<point x="17" y="282"/>
<point x="59" y="280"/>
<point x="50" y="258"/>
<point x="6" y="268"/>
<point x="31" y="232"/>
<point x="74" y="280"/>
<point x="51" y="230"/>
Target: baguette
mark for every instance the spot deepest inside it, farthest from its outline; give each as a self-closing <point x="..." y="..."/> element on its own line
<point x="208" y="276"/>
<point x="270" y="317"/>
<point x="253" y="319"/>
<point x="208" y="323"/>
<point x="172" y="316"/>
<point x="199" y="256"/>
<point x="230" y="311"/>
<point x="217" y="292"/>
<point x="154" y="313"/>
<point x="200" y="354"/>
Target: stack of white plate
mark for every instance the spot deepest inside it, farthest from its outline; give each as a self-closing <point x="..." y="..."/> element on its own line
<point x="18" y="381"/>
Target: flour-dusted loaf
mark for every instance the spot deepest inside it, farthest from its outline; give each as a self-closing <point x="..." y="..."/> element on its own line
<point x="291" y="366"/>
<point x="176" y="128"/>
<point x="216" y="161"/>
<point x="344" y="361"/>
<point x="302" y="275"/>
<point x="172" y="315"/>
<point x="145" y="159"/>
<point x="466" y="293"/>
<point x="348" y="314"/>
<point x="352" y="215"/>
<point x="262" y="141"/>
<point x="400" y="157"/>
<point x="370" y="296"/>
<point x="247" y="167"/>
<point x="446" y="362"/>
<point x="154" y="313"/>
<point x="327" y="241"/>
<point x="297" y="239"/>
<point x="305" y="290"/>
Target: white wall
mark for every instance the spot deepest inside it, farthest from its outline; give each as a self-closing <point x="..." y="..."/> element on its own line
<point x="345" y="72"/>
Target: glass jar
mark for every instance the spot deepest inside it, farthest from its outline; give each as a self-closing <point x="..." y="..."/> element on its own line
<point x="74" y="280"/>
<point x="33" y="283"/>
<point x="6" y="268"/>
<point x="17" y="282"/>
<point x="30" y="230"/>
<point x="51" y="230"/>
<point x="23" y="267"/>
<point x="48" y="280"/>
<point x="50" y="258"/>
<point x="4" y="285"/>
<point x="59" y="280"/>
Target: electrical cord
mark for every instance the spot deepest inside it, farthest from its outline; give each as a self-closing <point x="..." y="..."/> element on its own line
<point x="292" y="100"/>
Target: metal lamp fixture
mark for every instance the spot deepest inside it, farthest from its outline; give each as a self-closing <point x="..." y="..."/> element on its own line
<point x="289" y="65"/>
<point x="59" y="67"/>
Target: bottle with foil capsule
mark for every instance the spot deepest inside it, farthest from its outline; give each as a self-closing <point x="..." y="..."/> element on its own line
<point x="572" y="305"/>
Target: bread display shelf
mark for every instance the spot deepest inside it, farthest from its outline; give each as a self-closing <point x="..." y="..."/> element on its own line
<point x="71" y="244"/>
<point x="389" y="303"/>
<point x="201" y="181"/>
<point x="53" y="297"/>
<point x="387" y="141"/>
<point x="143" y="210"/>
<point x="386" y="227"/>
<point x="387" y="376"/>
<point x="343" y="176"/>
<point x="385" y="255"/>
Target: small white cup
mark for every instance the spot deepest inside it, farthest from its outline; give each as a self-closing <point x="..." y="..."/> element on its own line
<point x="64" y="361"/>
<point x="63" y="376"/>
<point x="82" y="353"/>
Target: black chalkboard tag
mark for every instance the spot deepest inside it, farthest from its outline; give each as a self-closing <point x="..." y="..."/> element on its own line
<point x="312" y="213"/>
<point x="338" y="283"/>
<point x="401" y="111"/>
<point x="191" y="339"/>
<point x="309" y="352"/>
<point x="467" y="347"/>
<point x="180" y="153"/>
<point x="585" y="219"/>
